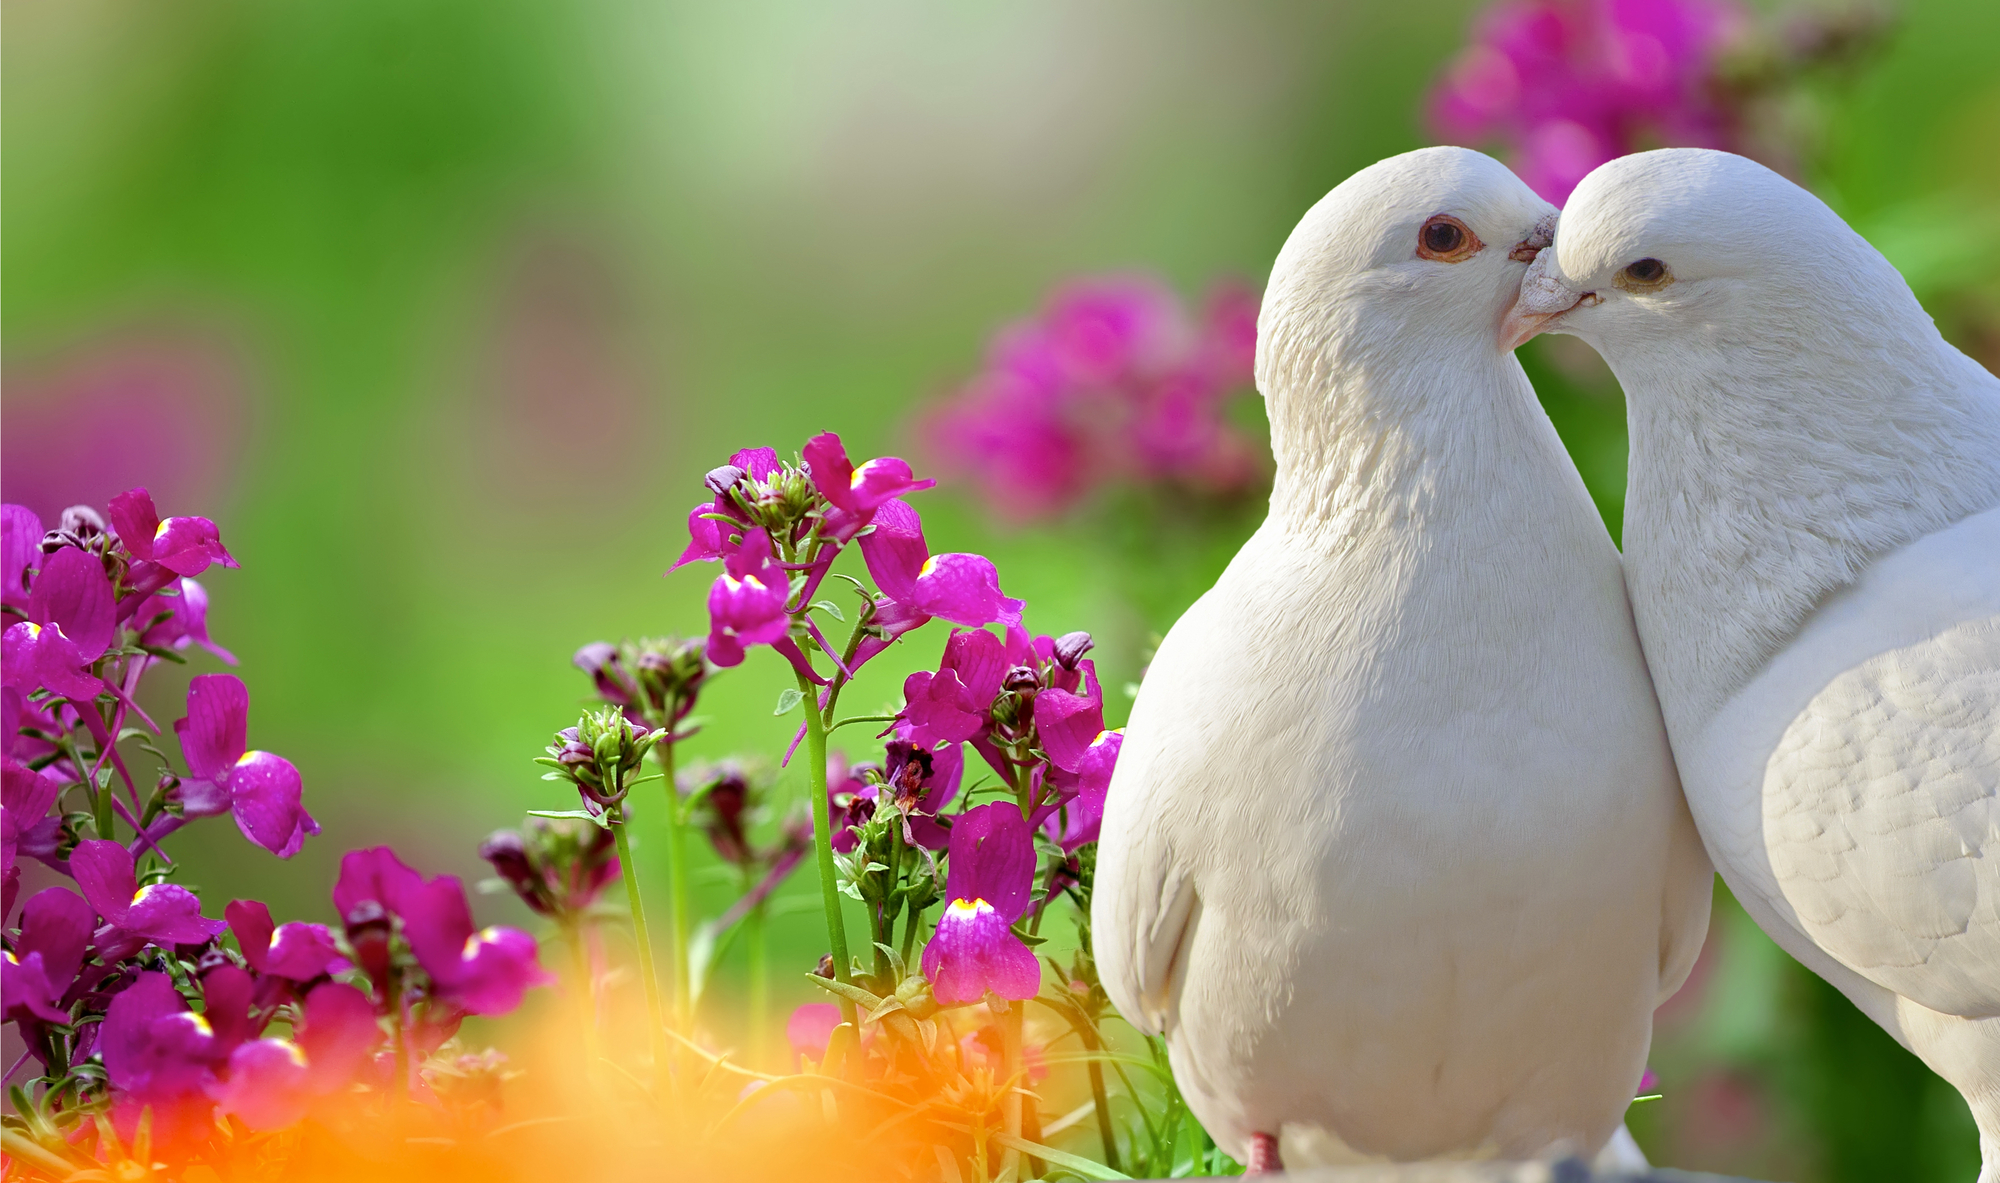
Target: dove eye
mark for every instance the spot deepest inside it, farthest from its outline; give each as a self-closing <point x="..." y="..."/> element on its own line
<point x="1646" y="273"/>
<point x="1447" y="240"/>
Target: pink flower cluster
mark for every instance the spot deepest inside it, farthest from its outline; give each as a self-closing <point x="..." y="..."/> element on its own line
<point x="1570" y="84"/>
<point x="1113" y="381"/>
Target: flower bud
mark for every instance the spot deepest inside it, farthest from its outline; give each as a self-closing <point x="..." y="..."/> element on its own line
<point x="721" y="480"/>
<point x="1070" y="648"/>
<point x="1021" y="680"/>
<point x="368" y="935"/>
<point x="508" y="852"/>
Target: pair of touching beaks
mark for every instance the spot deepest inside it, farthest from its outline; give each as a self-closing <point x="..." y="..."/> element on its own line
<point x="1543" y="296"/>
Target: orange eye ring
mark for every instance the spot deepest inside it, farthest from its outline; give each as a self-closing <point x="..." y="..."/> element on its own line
<point x="1445" y="239"/>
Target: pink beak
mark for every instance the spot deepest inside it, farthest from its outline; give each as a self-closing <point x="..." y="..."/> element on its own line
<point x="1543" y="297"/>
<point x="1520" y="326"/>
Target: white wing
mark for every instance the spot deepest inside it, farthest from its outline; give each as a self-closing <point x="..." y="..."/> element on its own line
<point x="1882" y="819"/>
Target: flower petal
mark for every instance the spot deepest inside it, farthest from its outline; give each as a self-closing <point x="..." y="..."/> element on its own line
<point x="264" y="791"/>
<point x="266" y="1088"/>
<point x="895" y="549"/>
<point x="974" y="951"/>
<point x="339" y="1036"/>
<point x="964" y="589"/>
<point x="106" y="874"/>
<point x="20" y="552"/>
<point x="73" y="591"/>
<point x="992" y="857"/>
<point x="216" y="730"/>
<point x="135" y="520"/>
<point x="1068" y="724"/>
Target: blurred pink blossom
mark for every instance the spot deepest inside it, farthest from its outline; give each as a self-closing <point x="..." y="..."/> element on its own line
<point x="1112" y="381"/>
<point x="1570" y="84"/>
<point x="161" y="409"/>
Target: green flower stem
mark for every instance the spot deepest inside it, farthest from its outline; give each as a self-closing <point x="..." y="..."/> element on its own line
<point x="910" y="927"/>
<point x="890" y="904"/>
<point x="656" y="1031"/>
<point x="679" y="929"/>
<point x="829" y="882"/>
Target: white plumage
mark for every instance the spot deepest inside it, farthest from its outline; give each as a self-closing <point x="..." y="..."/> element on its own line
<point x="1395" y="856"/>
<point x="1813" y="551"/>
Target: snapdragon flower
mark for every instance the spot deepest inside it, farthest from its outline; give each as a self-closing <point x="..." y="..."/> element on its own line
<point x="55" y="930"/>
<point x="481" y="971"/>
<point x="1112" y="381"/>
<point x="1570" y="84"/>
<point x="71" y="622"/>
<point x="262" y="790"/>
<point x="989" y="881"/>
<point x="296" y="950"/>
<point x="181" y="545"/>
<point x="160" y="913"/>
<point x="558" y="866"/>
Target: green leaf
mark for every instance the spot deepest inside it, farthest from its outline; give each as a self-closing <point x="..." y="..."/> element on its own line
<point x="831" y="609"/>
<point x="788" y="700"/>
<point x="1068" y="1162"/>
<point x="840" y="989"/>
<point x="586" y="815"/>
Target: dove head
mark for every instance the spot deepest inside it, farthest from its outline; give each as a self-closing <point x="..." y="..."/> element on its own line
<point x="1660" y="246"/>
<point x="1793" y="411"/>
<point x="1426" y="249"/>
<point x="1403" y="272"/>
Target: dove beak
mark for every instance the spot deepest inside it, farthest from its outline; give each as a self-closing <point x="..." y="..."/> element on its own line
<point x="1543" y="297"/>
<point x="1521" y="325"/>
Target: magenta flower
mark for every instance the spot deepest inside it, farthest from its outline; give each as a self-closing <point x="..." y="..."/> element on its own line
<point x="184" y="546"/>
<point x="708" y="539"/>
<point x="1113" y="381"/>
<point x="55" y="930"/>
<point x="961" y="588"/>
<point x="20" y="553"/>
<point x="71" y="622"/>
<point x="746" y="605"/>
<point x="1078" y="812"/>
<point x="1069" y="723"/>
<point x="483" y="971"/>
<point x="261" y="789"/>
<point x="855" y="493"/>
<point x="272" y="1083"/>
<point x="156" y="1051"/>
<point x="175" y="622"/>
<point x="293" y="950"/>
<point x="26" y="828"/>
<point x="989" y="879"/>
<point x="924" y="782"/>
<point x="810" y="1028"/>
<point x="938" y="708"/>
<point x="1570" y="84"/>
<point x="164" y="914"/>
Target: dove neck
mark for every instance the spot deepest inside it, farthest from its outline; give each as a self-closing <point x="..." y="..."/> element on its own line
<point x="1763" y="479"/>
<point x="1372" y="438"/>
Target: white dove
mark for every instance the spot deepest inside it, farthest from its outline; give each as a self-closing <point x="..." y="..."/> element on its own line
<point x="1395" y="856"/>
<point x="1813" y="551"/>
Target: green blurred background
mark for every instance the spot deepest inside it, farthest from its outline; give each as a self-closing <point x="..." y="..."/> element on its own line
<point x="440" y="308"/>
